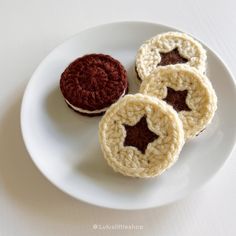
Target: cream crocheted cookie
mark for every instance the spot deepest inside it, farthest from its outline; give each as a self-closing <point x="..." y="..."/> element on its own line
<point x="141" y="136"/>
<point x="169" y="48"/>
<point x="188" y="91"/>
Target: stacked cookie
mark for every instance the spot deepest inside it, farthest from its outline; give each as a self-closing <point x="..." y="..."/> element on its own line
<point x="142" y="135"/>
<point x="172" y="68"/>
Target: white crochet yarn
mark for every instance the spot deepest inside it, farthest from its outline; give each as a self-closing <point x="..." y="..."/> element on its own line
<point x="159" y="155"/>
<point x="148" y="55"/>
<point x="201" y="97"/>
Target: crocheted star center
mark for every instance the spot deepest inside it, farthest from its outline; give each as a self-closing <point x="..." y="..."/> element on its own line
<point x="139" y="135"/>
<point x="171" y="58"/>
<point x="177" y="99"/>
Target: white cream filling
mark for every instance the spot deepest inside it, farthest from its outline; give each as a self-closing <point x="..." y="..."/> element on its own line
<point x="90" y="112"/>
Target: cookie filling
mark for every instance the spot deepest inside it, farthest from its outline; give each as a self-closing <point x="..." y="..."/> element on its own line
<point x="90" y="112"/>
<point x="139" y="135"/>
<point x="177" y="99"/>
<point x="138" y="77"/>
<point x="171" y="58"/>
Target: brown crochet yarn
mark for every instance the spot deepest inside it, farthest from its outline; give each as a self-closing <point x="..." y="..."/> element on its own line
<point x="93" y="82"/>
<point x="171" y="58"/>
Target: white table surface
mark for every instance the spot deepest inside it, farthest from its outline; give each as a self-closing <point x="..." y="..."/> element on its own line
<point x="29" y="204"/>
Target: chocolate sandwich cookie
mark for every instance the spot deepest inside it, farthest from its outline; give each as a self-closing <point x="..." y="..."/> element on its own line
<point x="91" y="83"/>
<point x="169" y="49"/>
<point x="141" y="136"/>
<point x="188" y="91"/>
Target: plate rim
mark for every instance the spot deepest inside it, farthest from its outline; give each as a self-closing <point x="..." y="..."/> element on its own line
<point x="27" y="89"/>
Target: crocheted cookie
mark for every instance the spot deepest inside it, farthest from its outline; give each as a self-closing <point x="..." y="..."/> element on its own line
<point x="141" y="136"/>
<point x="188" y="91"/>
<point x="169" y="48"/>
<point x="91" y="83"/>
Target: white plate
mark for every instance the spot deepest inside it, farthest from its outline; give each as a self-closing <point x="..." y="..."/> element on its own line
<point x="64" y="145"/>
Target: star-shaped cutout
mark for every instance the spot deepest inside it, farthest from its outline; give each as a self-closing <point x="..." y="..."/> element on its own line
<point x="139" y="135"/>
<point x="177" y="99"/>
<point x="171" y="58"/>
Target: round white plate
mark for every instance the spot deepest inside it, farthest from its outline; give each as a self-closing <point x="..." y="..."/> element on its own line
<point x="64" y="145"/>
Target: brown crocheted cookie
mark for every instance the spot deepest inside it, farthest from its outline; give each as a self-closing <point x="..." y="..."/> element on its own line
<point x="91" y="83"/>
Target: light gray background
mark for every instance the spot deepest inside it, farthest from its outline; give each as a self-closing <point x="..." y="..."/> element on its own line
<point x="29" y="204"/>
